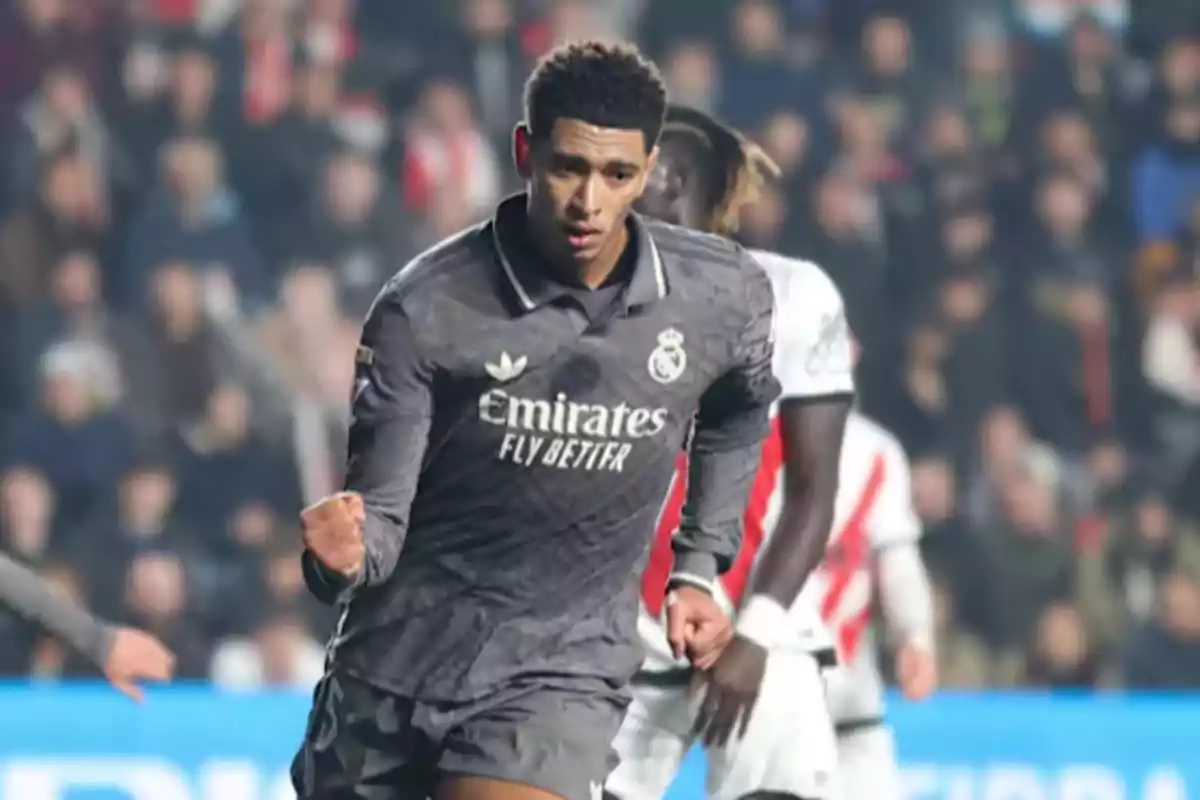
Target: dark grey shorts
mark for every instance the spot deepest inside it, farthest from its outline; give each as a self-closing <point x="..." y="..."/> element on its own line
<point x="365" y="744"/>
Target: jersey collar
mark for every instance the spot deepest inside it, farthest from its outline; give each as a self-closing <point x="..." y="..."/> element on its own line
<point x="532" y="288"/>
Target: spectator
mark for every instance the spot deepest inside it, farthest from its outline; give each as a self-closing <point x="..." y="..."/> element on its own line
<point x="156" y="597"/>
<point x="354" y="229"/>
<point x="62" y="117"/>
<point x="75" y="312"/>
<point x="887" y="79"/>
<point x="279" y="655"/>
<point x="1119" y="575"/>
<point x="447" y="154"/>
<point x="990" y="89"/>
<point x="690" y="70"/>
<point x="1029" y="545"/>
<point x="490" y="61"/>
<point x="255" y="55"/>
<point x="225" y="467"/>
<point x="1061" y="655"/>
<point x="1165" y="653"/>
<point x="1166" y="180"/>
<point x="194" y="217"/>
<point x="188" y="359"/>
<point x="64" y="216"/>
<point x="188" y="108"/>
<point x="962" y="658"/>
<point x="758" y="58"/>
<point x="74" y="438"/>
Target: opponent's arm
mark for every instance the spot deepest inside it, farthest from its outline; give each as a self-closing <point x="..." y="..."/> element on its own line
<point x="816" y="358"/>
<point x="26" y="593"/>
<point x="905" y="594"/>
<point x="730" y="424"/>
<point x="126" y="656"/>
<point x="811" y="430"/>
<point x="391" y="412"/>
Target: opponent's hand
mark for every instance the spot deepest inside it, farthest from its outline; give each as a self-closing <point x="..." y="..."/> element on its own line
<point x="137" y="656"/>
<point x="696" y="626"/>
<point x="333" y="532"/>
<point x="916" y="671"/>
<point x="730" y="691"/>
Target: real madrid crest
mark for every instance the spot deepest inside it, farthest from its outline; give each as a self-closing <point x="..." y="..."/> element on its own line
<point x="668" y="360"/>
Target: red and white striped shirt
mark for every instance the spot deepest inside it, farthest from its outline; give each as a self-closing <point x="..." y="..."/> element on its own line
<point x="873" y="508"/>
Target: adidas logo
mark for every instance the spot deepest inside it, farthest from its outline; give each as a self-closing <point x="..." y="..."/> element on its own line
<point x="506" y="369"/>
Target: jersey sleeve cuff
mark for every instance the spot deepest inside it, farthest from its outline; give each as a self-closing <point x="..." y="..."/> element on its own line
<point x="327" y="587"/>
<point x="694" y="567"/>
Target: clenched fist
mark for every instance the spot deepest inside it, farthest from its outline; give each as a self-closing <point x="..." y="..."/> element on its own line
<point x="333" y="532"/>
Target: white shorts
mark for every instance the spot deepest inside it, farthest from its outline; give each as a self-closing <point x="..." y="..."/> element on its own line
<point x="867" y="759"/>
<point x="789" y="745"/>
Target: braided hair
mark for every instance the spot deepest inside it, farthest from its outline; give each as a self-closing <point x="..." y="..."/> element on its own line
<point x="733" y="169"/>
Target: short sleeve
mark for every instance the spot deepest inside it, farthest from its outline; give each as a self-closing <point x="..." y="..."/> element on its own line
<point x="753" y="371"/>
<point x="813" y="348"/>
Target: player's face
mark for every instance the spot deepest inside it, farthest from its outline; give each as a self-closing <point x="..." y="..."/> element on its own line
<point x="672" y="190"/>
<point x="582" y="182"/>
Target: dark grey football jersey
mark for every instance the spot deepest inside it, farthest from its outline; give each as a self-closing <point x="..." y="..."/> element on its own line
<point x="514" y="450"/>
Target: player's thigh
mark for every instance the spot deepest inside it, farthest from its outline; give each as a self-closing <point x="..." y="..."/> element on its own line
<point x="789" y="748"/>
<point x="867" y="762"/>
<point x="552" y="740"/>
<point x="359" y="746"/>
<point x="652" y="741"/>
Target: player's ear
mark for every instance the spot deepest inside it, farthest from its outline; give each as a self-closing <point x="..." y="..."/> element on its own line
<point x="522" y="151"/>
<point x="651" y="163"/>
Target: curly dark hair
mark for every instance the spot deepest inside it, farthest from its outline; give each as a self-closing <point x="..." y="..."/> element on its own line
<point x="733" y="168"/>
<point x="606" y="84"/>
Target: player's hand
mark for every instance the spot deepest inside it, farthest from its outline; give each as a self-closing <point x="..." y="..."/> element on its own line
<point x="730" y="691"/>
<point x="696" y="626"/>
<point x="137" y="656"/>
<point x="333" y="532"/>
<point x="916" y="671"/>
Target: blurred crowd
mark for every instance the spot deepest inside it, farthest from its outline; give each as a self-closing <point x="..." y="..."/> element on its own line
<point x="199" y="198"/>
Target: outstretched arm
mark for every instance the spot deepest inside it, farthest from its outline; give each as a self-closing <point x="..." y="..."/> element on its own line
<point x="25" y="592"/>
<point x="126" y="656"/>
<point x="905" y="594"/>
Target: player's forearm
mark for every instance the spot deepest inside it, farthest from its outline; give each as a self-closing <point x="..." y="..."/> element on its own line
<point x="905" y="596"/>
<point x="721" y="468"/>
<point x="389" y="434"/>
<point x="29" y="595"/>
<point x="811" y="432"/>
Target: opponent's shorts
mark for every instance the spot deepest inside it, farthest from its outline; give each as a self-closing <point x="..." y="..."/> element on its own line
<point x="789" y="746"/>
<point x="366" y="744"/>
<point x="867" y="761"/>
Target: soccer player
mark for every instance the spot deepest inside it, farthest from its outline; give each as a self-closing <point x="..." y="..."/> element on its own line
<point x="783" y="741"/>
<point x="522" y="391"/>
<point x="126" y="656"/>
<point x="874" y="550"/>
<point x="704" y="174"/>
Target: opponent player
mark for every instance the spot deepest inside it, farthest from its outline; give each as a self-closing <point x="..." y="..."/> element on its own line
<point x="874" y="537"/>
<point x="522" y="391"/>
<point x="126" y="656"/>
<point x="784" y="743"/>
